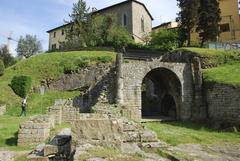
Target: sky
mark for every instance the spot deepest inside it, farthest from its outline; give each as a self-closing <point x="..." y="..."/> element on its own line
<point x="35" y="17"/>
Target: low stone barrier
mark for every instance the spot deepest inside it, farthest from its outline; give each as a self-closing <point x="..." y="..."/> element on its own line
<point x="36" y="130"/>
<point x="2" y="109"/>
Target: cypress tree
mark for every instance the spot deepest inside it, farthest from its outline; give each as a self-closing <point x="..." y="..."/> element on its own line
<point x="187" y="18"/>
<point x="208" y="19"/>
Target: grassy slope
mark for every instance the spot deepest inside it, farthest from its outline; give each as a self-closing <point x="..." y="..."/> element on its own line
<point x="38" y="67"/>
<point x="190" y="133"/>
<point x="41" y="67"/>
<point x="228" y="71"/>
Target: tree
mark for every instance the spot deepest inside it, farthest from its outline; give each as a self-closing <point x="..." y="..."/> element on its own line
<point x="209" y="17"/>
<point x="91" y="29"/>
<point x="187" y="18"/>
<point x="28" y="46"/>
<point x="2" y="67"/>
<point x="6" y="57"/>
<point x="165" y="40"/>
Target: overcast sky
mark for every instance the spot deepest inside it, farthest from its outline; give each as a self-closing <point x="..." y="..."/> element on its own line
<point x="37" y="16"/>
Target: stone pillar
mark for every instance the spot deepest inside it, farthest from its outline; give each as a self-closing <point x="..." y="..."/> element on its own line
<point x="119" y="94"/>
<point x="199" y="111"/>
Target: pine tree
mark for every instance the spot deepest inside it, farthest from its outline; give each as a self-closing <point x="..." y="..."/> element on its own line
<point x="187" y="18"/>
<point x="209" y="17"/>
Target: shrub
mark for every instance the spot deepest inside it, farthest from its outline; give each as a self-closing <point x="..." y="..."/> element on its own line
<point x="69" y="66"/>
<point x="2" y="67"/>
<point x="104" y="59"/>
<point x="119" y="37"/>
<point x="82" y="62"/>
<point x="165" y="40"/>
<point x="21" y="85"/>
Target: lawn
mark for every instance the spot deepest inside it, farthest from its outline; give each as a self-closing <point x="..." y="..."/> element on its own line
<point x="8" y="132"/>
<point x="225" y="65"/>
<point x="176" y="133"/>
<point x="226" y="74"/>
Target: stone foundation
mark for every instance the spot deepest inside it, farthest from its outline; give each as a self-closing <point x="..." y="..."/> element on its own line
<point x="35" y="131"/>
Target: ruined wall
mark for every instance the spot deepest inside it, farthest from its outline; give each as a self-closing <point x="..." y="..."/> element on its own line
<point x="132" y="76"/>
<point x="35" y="131"/>
<point x="223" y="104"/>
<point x="84" y="78"/>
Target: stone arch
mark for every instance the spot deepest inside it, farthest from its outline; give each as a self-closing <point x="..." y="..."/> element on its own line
<point x="130" y="81"/>
<point x="161" y="94"/>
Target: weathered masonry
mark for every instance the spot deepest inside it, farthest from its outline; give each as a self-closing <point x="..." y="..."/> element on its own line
<point x="155" y="88"/>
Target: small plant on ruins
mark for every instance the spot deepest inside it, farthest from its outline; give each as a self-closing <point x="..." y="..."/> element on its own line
<point x="104" y="59"/>
<point x="21" y="85"/>
<point x="82" y="62"/>
<point x="2" y="67"/>
<point x="68" y="66"/>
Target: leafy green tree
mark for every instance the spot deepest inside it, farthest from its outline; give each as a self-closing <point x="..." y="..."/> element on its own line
<point x="2" y="67"/>
<point x="28" y="46"/>
<point x="209" y="17"/>
<point x="6" y="57"/>
<point x="165" y="40"/>
<point x="187" y="18"/>
<point x="90" y="30"/>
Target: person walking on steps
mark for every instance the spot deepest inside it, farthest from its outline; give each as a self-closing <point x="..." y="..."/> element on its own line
<point x="24" y="107"/>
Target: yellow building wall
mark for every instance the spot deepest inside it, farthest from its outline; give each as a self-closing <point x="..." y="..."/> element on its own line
<point x="229" y="15"/>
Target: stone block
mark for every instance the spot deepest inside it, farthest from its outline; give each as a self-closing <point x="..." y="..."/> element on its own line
<point x="37" y="158"/>
<point x="97" y="129"/>
<point x="50" y="150"/>
<point x="148" y="136"/>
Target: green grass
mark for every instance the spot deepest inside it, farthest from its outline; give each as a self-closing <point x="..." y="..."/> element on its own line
<point x="219" y="66"/>
<point x="176" y="133"/>
<point x="8" y="132"/>
<point x="212" y="52"/>
<point x="226" y="74"/>
<point x="39" y="68"/>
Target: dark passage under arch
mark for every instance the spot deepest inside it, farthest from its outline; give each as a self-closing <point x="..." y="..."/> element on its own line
<point x="161" y="94"/>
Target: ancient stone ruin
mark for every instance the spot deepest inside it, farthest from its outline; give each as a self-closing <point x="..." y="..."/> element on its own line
<point x="111" y="105"/>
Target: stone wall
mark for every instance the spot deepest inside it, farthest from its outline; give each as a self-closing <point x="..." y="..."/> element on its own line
<point x="85" y="78"/>
<point x="2" y="109"/>
<point x="130" y="84"/>
<point x="63" y="111"/>
<point x="35" y="131"/>
<point x="223" y="104"/>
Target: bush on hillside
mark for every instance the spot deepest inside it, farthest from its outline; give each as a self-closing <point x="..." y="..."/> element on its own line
<point x="21" y="85"/>
<point x="104" y="59"/>
<point x="165" y="40"/>
<point x="2" y="67"/>
<point x="82" y="62"/>
<point x="68" y="66"/>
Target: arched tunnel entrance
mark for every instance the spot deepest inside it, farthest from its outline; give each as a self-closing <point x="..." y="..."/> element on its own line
<point x="161" y="94"/>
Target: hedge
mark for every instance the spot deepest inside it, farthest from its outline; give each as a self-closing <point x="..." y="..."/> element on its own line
<point x="21" y="85"/>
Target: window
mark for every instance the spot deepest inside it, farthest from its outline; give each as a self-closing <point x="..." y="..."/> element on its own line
<point x="124" y="21"/>
<point x="63" y="32"/>
<point x="54" y="34"/>
<point x="142" y="24"/>
<point x="224" y="27"/>
<point x="54" y="46"/>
